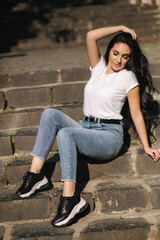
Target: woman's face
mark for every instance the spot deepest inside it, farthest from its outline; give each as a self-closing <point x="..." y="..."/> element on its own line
<point x="118" y="57"/>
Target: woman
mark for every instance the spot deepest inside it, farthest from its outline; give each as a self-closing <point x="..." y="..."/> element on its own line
<point x="122" y="74"/>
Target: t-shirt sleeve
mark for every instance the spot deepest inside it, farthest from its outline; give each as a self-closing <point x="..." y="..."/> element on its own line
<point x="100" y="66"/>
<point x="131" y="81"/>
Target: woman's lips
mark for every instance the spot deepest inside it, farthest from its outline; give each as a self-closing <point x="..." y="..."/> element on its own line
<point x="117" y="65"/>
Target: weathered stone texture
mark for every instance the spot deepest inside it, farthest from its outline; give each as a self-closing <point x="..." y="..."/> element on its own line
<point x="2" y="170"/>
<point x="1" y="100"/>
<point x="4" y="81"/>
<point x="75" y="112"/>
<point x="41" y="231"/>
<point x="112" y="168"/>
<point x="154" y="184"/>
<point x="24" y="142"/>
<point x="11" y="209"/>
<point x="75" y="74"/>
<point x="145" y="164"/>
<point x="72" y="93"/>
<point x="17" y="168"/>
<point x="155" y="69"/>
<point x="19" y="119"/>
<point x="2" y="230"/>
<point x="156" y="81"/>
<point x="29" y="97"/>
<point x="119" y="197"/>
<point x="35" y="78"/>
<point x="5" y="145"/>
<point x="111" y="229"/>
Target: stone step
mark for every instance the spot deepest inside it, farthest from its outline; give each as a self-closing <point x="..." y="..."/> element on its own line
<point x="130" y="204"/>
<point x="44" y="204"/>
<point x="136" y="163"/>
<point x="19" y="140"/>
<point x="98" y="230"/>
<point x="106" y="17"/>
<point x="107" y="227"/>
<point x="28" y="79"/>
<point x="31" y="117"/>
<point x="48" y="95"/>
<point x="45" y="35"/>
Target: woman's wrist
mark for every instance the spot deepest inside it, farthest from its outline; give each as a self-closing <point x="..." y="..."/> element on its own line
<point x="146" y="148"/>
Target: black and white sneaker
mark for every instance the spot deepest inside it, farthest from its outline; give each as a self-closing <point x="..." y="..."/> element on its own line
<point x="33" y="183"/>
<point x="67" y="209"/>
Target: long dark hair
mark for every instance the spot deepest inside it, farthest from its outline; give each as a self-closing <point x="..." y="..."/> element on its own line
<point x="138" y="64"/>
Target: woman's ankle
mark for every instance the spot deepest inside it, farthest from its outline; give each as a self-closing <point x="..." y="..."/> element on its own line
<point x="36" y="165"/>
<point x="68" y="189"/>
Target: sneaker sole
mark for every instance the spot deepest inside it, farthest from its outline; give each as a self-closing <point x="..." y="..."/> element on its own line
<point x="43" y="183"/>
<point x="80" y="207"/>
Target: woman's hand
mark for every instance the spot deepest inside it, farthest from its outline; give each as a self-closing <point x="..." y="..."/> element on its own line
<point x="129" y="30"/>
<point x="154" y="153"/>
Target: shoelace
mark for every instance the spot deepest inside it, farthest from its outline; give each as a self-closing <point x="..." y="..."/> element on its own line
<point x="27" y="178"/>
<point x="62" y="205"/>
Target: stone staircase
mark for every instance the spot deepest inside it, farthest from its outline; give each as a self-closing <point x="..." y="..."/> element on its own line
<point x="42" y="27"/>
<point x="123" y="194"/>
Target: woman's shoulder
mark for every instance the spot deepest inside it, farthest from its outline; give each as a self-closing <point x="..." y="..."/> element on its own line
<point x="128" y="73"/>
<point x="100" y="67"/>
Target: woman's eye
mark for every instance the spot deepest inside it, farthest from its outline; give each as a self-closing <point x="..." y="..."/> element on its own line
<point x="126" y="57"/>
<point x="115" y="54"/>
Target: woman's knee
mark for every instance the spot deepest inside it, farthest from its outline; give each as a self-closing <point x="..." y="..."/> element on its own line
<point x="49" y="113"/>
<point x="64" y="133"/>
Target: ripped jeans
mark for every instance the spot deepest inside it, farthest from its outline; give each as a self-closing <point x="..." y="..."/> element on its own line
<point x="95" y="140"/>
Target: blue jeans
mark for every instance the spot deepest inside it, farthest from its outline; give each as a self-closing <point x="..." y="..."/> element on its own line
<point x="95" y="140"/>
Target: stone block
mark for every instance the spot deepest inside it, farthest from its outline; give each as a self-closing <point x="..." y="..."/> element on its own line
<point x="145" y="164"/>
<point x="33" y="78"/>
<point x="72" y="93"/>
<point x="24" y="140"/>
<point x="13" y="209"/>
<point x="5" y="145"/>
<point x="4" y="81"/>
<point x="1" y="100"/>
<point x="90" y="168"/>
<point x="18" y="119"/>
<point x="2" y="170"/>
<point x="75" y="74"/>
<point x="2" y="230"/>
<point x="111" y="229"/>
<point x="156" y="81"/>
<point x="157" y="133"/>
<point x="29" y="97"/>
<point x="121" y="197"/>
<point x="155" y="69"/>
<point x="154" y="184"/>
<point x="158" y="234"/>
<point x="17" y="168"/>
<point x="74" y="111"/>
<point x="41" y="231"/>
<point x="111" y="168"/>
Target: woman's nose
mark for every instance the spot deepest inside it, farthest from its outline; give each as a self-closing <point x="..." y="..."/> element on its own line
<point x="119" y="59"/>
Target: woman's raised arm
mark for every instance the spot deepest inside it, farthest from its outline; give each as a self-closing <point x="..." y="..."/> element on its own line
<point x="94" y="35"/>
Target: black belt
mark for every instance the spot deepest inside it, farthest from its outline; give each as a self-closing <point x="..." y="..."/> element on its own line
<point x="98" y="120"/>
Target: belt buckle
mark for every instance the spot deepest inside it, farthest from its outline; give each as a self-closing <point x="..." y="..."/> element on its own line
<point x="95" y="120"/>
<point x="89" y="119"/>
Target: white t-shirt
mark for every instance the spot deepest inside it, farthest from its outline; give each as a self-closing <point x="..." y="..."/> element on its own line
<point x="105" y="94"/>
